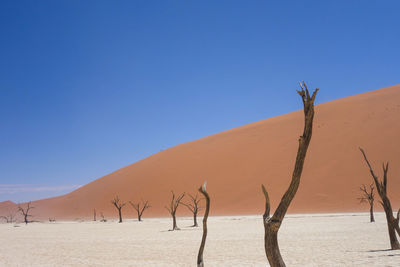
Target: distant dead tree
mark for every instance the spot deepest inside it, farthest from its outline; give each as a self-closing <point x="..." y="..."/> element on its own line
<point x="381" y="187"/>
<point x="194" y="207"/>
<point x="118" y="205"/>
<point x="25" y="212"/>
<point x="368" y="196"/>
<point x="102" y="217"/>
<point x="140" y="209"/>
<point x="52" y="219"/>
<point x="272" y="224"/>
<point x="94" y="214"/>
<point x="202" y="189"/>
<point x="173" y="206"/>
<point x="10" y="218"/>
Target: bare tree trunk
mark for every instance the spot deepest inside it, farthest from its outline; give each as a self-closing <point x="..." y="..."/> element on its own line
<point x="120" y="215"/>
<point x="371" y="213"/>
<point x="195" y="220"/>
<point x="174" y="225"/>
<point x="200" y="262"/>
<point x="381" y="187"/>
<point x="139" y="216"/>
<point x="272" y="225"/>
<point x="94" y="214"/>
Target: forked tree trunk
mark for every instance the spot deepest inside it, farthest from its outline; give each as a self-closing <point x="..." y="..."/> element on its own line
<point x="272" y="224"/>
<point x="139" y="216"/>
<point x="381" y="187"/>
<point x="200" y="262"/>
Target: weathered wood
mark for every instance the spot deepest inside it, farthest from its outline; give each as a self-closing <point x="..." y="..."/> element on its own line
<point x="118" y="205"/>
<point x="272" y="224"/>
<point x="202" y="189"/>
<point x="173" y="206"/>
<point x="381" y="187"/>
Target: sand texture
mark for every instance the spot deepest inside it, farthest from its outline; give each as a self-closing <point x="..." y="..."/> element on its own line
<point x="236" y="162"/>
<point x="305" y="240"/>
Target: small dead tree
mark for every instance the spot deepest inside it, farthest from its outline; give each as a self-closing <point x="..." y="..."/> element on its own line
<point x="102" y="217"/>
<point x="194" y="207"/>
<point x="202" y="189"/>
<point x="173" y="206"/>
<point x="381" y="187"/>
<point x="118" y="205"/>
<point x="10" y="218"/>
<point x="94" y="214"/>
<point x="140" y="210"/>
<point x="25" y="212"/>
<point x="272" y="224"/>
<point x="368" y="197"/>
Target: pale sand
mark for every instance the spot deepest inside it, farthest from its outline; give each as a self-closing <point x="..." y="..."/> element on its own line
<point x="305" y="240"/>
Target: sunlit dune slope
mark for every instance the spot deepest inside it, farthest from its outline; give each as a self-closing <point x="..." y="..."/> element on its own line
<point x="237" y="161"/>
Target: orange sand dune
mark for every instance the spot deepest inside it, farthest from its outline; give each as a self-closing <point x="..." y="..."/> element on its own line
<point x="237" y="161"/>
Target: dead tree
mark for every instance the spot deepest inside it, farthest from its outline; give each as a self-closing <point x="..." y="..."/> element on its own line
<point x="202" y="189"/>
<point x="381" y="187"/>
<point x="118" y="205"/>
<point x="94" y="214"/>
<point x="10" y="218"/>
<point x="102" y="217"/>
<point x="173" y="206"/>
<point x="140" y="210"/>
<point x="194" y="207"/>
<point x="272" y="224"/>
<point x="368" y="196"/>
<point x="25" y="212"/>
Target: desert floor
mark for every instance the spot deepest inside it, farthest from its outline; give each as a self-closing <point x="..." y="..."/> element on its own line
<point x="305" y="240"/>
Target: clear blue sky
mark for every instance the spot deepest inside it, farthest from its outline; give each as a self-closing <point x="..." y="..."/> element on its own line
<point x="87" y="87"/>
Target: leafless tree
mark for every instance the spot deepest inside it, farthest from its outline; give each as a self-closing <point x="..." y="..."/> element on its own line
<point x="140" y="209"/>
<point x="381" y="187"/>
<point x="368" y="197"/>
<point x="102" y="217"/>
<point x="10" y="218"/>
<point x="52" y="219"/>
<point x="118" y="205"/>
<point x="194" y="207"/>
<point x="202" y="189"/>
<point x="25" y="212"/>
<point x="94" y="214"/>
<point x="272" y="224"/>
<point x="173" y="206"/>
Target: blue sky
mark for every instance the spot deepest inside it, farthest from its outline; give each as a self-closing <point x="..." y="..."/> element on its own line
<point x="87" y="87"/>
